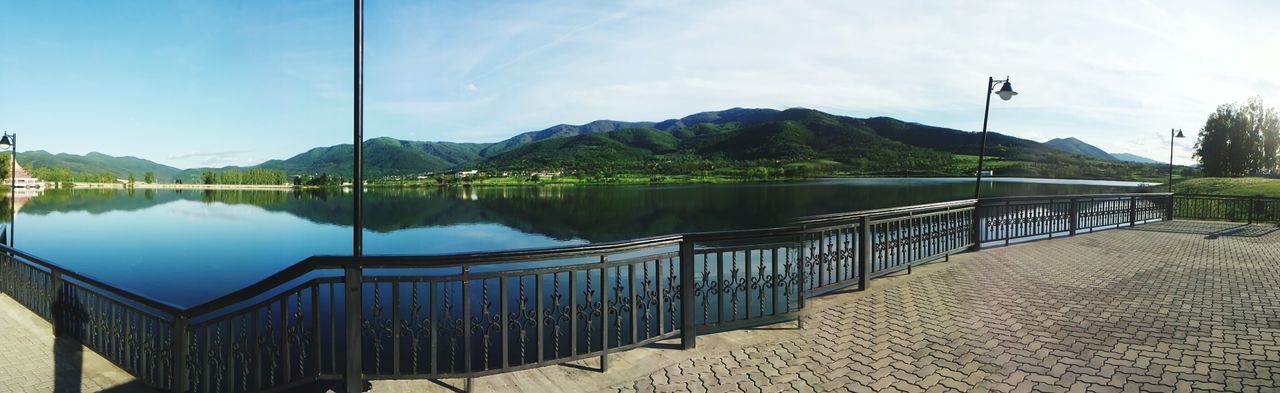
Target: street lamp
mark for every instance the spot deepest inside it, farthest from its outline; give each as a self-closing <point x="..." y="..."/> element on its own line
<point x="1172" y="134"/>
<point x="10" y="142"/>
<point x="1006" y="92"/>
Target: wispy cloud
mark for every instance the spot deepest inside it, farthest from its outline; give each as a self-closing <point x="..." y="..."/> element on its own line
<point x="215" y="158"/>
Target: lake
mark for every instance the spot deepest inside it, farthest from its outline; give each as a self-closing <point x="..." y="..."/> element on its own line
<point x="189" y="246"/>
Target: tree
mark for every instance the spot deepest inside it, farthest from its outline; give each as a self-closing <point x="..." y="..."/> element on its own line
<point x="149" y="177"/>
<point x="131" y="180"/>
<point x="1239" y="140"/>
<point x="208" y="177"/>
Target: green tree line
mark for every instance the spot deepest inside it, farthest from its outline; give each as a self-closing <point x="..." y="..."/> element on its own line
<point x="251" y="176"/>
<point x="1240" y="139"/>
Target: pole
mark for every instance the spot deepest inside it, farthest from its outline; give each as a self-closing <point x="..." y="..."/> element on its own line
<point x="982" y="148"/>
<point x="352" y="280"/>
<point x="1171" y="133"/>
<point x="357" y="227"/>
<point x="13" y="190"/>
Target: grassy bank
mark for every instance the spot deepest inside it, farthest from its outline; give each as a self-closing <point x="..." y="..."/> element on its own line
<point x="1238" y="186"/>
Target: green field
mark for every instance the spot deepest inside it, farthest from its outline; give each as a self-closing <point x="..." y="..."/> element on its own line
<point x="1239" y="186"/>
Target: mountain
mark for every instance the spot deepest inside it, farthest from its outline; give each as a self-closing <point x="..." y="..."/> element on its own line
<point x="1076" y="146"/>
<point x="95" y="163"/>
<point x="1134" y="158"/>
<point x="382" y="157"/>
<point x="734" y="115"/>
<point x="760" y="138"/>
<point x="731" y="142"/>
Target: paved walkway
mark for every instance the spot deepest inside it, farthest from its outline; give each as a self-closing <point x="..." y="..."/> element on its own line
<point x="1174" y="306"/>
<point x="32" y="360"/>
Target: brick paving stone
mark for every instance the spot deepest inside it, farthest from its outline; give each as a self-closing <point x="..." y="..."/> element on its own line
<point x="32" y="360"/>
<point x="1171" y="306"/>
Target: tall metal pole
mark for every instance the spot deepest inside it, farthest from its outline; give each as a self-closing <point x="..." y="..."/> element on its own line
<point x="13" y="195"/>
<point x="982" y="148"/>
<point x="357" y="227"/>
<point x="1171" y="133"/>
<point x="354" y="373"/>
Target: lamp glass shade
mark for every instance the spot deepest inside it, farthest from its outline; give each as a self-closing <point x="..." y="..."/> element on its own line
<point x="5" y="143"/>
<point x="1179" y="135"/>
<point x="1006" y="92"/>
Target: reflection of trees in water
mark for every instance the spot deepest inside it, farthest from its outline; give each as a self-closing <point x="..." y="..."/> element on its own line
<point x="593" y="213"/>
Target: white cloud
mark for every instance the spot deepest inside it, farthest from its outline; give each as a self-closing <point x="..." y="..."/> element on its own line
<point x="1110" y="73"/>
<point x="471" y="88"/>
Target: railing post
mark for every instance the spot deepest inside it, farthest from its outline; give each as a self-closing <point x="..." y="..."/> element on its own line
<point x="55" y="304"/>
<point x="975" y="233"/>
<point x="179" y="362"/>
<point x="1250" y="210"/>
<point x="864" y="257"/>
<point x="1074" y="212"/>
<point x="1170" y="216"/>
<point x="688" y="331"/>
<point x="1133" y="210"/>
<point x="352" y="312"/>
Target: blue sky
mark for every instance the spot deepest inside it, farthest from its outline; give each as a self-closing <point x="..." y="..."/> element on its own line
<point x="217" y="83"/>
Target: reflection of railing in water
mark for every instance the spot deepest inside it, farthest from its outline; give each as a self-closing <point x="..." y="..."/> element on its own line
<point x="471" y="315"/>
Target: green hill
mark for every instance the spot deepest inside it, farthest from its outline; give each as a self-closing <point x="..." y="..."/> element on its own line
<point x="44" y="164"/>
<point x="1076" y="146"/>
<point x="733" y="142"/>
<point x="383" y="157"/>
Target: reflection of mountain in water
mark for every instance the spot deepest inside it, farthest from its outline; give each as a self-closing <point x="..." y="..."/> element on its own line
<point x="593" y="213"/>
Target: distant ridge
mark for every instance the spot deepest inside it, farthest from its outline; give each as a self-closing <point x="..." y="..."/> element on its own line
<point x="1135" y="158"/>
<point x="1076" y="146"/>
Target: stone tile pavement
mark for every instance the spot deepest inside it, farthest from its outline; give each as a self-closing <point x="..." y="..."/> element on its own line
<point x="1173" y="306"/>
<point x="33" y="361"/>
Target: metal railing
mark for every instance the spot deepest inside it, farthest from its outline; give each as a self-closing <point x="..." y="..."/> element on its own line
<point x="475" y="314"/>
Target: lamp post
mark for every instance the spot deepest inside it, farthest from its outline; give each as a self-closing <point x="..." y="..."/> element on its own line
<point x="10" y="142"/>
<point x="1172" y="134"/>
<point x="1006" y="92"/>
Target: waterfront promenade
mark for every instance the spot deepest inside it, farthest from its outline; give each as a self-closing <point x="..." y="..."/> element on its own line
<point x="1166" y="306"/>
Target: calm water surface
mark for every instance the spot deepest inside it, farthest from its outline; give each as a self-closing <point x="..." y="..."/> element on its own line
<point x="189" y="246"/>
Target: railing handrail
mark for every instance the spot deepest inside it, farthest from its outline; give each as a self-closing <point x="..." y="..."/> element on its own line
<point x="825" y="218"/>
<point x="158" y="305"/>
<point x="1073" y="196"/>
<point x="1244" y="197"/>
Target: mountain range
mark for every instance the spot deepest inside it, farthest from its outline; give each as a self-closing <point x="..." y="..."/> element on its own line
<point x="735" y="137"/>
<point x="1075" y="146"/>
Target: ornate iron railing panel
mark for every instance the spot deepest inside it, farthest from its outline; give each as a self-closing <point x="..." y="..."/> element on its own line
<point x="470" y="321"/>
<point x="134" y="332"/>
<point x="901" y="242"/>
<point x="1016" y="218"/>
<point x="752" y="284"/>
<point x="830" y="257"/>
<point x="287" y="339"/>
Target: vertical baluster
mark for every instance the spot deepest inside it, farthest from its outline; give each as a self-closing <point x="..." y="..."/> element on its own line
<point x="505" y="320"/>
<point x="775" y="282"/>
<point x="395" y="326"/>
<point x="631" y="278"/>
<point x="537" y="294"/>
<point x="604" y="312"/>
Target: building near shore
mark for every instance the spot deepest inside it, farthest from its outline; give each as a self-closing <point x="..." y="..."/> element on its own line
<point x="23" y="180"/>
